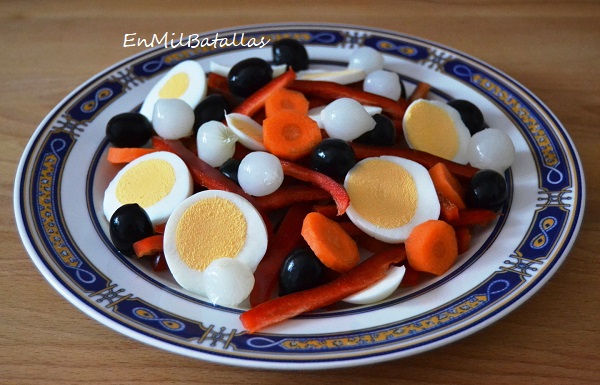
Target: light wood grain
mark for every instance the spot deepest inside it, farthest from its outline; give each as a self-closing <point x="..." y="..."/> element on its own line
<point x="551" y="47"/>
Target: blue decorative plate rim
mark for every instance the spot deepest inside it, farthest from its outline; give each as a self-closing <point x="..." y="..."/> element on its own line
<point x="561" y="196"/>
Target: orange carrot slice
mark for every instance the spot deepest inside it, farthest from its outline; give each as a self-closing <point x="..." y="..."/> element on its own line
<point x="290" y="135"/>
<point x="286" y="100"/>
<point x="432" y="247"/>
<point x="447" y="185"/>
<point x="122" y="155"/>
<point x="330" y="243"/>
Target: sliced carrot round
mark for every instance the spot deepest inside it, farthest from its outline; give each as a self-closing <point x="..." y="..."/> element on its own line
<point x="286" y="100"/>
<point x="330" y="243"/>
<point x="432" y="247"/>
<point x="290" y="135"/>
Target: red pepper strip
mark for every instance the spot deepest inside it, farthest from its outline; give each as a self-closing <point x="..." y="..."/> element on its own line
<point x="256" y="101"/>
<point x="288" y="306"/>
<point x="470" y="217"/>
<point x="332" y="91"/>
<point x="336" y="190"/>
<point x="371" y="244"/>
<point x="148" y="246"/>
<point x="411" y="277"/>
<point x="217" y="84"/>
<point x="329" y="210"/>
<point x="281" y="245"/>
<point x="463" y="238"/>
<point x="204" y="174"/>
<point x="285" y="196"/>
<point x="427" y="160"/>
<point x="421" y="91"/>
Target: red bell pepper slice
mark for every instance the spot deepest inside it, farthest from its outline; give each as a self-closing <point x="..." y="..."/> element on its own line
<point x="288" y="306"/>
<point x="151" y="245"/>
<point x="474" y="217"/>
<point x="336" y="190"/>
<point x="427" y="160"/>
<point x="281" y="245"/>
<point x="331" y="91"/>
<point x="256" y="101"/>
<point x="285" y="196"/>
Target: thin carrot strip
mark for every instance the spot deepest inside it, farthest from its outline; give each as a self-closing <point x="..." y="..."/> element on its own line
<point x="256" y="101"/>
<point x="420" y="92"/>
<point x="122" y="155"/>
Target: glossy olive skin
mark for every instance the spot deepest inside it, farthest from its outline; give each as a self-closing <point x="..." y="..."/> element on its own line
<point x="230" y="169"/>
<point x="248" y="76"/>
<point x="301" y="270"/>
<point x="290" y="52"/>
<point x="129" y="129"/>
<point x="333" y="157"/>
<point x="384" y="133"/>
<point x="470" y="114"/>
<point x="487" y="190"/>
<point x="129" y="224"/>
<point x="212" y="107"/>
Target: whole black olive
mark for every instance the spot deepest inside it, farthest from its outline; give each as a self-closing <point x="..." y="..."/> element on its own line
<point x="129" y="129"/>
<point x="487" y="190"/>
<point x="470" y="114"/>
<point x="290" y="52"/>
<point x="333" y="157"/>
<point x="129" y="224"/>
<point x="230" y="169"/>
<point x="301" y="270"/>
<point x="384" y="133"/>
<point x="248" y="76"/>
<point x="212" y="107"/>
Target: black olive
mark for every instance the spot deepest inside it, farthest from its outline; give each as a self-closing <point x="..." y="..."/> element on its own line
<point x="333" y="157"/>
<point x="301" y="270"/>
<point x="470" y="114"/>
<point x="212" y="107"/>
<point x="248" y="76"/>
<point x="487" y="190"/>
<point x="230" y="169"/>
<point x="384" y="133"/>
<point x="290" y="52"/>
<point x="129" y="224"/>
<point x="129" y="129"/>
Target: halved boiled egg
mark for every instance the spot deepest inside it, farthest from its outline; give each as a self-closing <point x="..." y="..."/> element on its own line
<point x="381" y="289"/>
<point x="248" y="131"/>
<point x="437" y="128"/>
<point x="209" y="226"/>
<point x="185" y="81"/>
<point x="158" y="182"/>
<point x="389" y="196"/>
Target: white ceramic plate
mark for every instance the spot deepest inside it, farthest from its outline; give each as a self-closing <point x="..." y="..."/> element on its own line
<point x="62" y="176"/>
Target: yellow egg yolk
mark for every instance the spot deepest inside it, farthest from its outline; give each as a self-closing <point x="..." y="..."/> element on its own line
<point x="430" y="128"/>
<point x="146" y="183"/>
<point x="383" y="193"/>
<point x="210" y="229"/>
<point x="175" y="87"/>
<point x="247" y="129"/>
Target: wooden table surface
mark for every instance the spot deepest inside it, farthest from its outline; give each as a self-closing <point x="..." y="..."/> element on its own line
<point x="552" y="48"/>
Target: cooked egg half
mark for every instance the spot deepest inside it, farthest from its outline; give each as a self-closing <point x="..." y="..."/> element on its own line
<point x="158" y="182"/>
<point x="389" y="196"/>
<point x="185" y="81"/>
<point x="379" y="290"/>
<point x="206" y="227"/>
<point x="436" y="128"/>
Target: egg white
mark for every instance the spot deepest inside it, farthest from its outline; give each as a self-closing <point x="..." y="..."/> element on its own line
<point x="379" y="290"/>
<point x="194" y="93"/>
<point x="250" y="255"/>
<point x="241" y="125"/>
<point x="428" y="205"/>
<point x="161" y="210"/>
